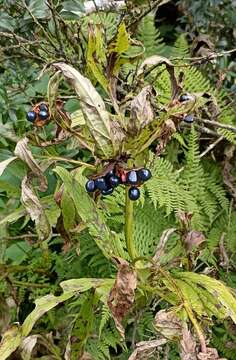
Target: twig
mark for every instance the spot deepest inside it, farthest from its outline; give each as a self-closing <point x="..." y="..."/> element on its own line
<point x="207" y="57"/>
<point x="211" y="146"/>
<point x="217" y="124"/>
<point x="150" y="9"/>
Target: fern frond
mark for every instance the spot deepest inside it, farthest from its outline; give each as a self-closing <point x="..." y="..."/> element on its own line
<point x="181" y="47"/>
<point x="150" y="36"/>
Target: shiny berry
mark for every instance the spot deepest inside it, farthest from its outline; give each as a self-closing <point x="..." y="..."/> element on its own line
<point x="43" y="107"/>
<point x="90" y="186"/>
<point x="43" y="115"/>
<point x="114" y="180"/>
<point x="31" y="116"/>
<point x="144" y="174"/>
<point x="134" y="193"/>
<point x="101" y="184"/>
<point x="107" y="192"/>
<point x="188" y="119"/>
<point x="110" y="173"/>
<point x="184" y="97"/>
<point x="132" y="177"/>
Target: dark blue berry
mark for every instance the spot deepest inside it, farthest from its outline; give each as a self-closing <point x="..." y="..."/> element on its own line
<point x="114" y="180"/>
<point x="144" y="174"/>
<point x="31" y="116"/>
<point x="109" y="173"/>
<point x="132" y="177"/>
<point x="188" y="119"/>
<point x="101" y="184"/>
<point x="90" y="186"/>
<point x="43" y="107"/>
<point x="134" y="193"/>
<point x="107" y="192"/>
<point x="43" y="115"/>
<point x="184" y="97"/>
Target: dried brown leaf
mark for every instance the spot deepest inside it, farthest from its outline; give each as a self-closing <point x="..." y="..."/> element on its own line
<point x="154" y="61"/>
<point x="161" y="246"/>
<point x="193" y="239"/>
<point x="167" y="131"/>
<point x="122" y="294"/>
<point x="23" y="152"/>
<point x="141" y="111"/>
<point x="144" y="348"/>
<point x="168" y="324"/>
<point x="35" y="209"/>
<point x="211" y="354"/>
<point x="27" y="346"/>
<point x="187" y="345"/>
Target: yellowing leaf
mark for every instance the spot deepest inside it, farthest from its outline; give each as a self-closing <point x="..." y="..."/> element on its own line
<point x="121" y="43"/>
<point x="96" y="117"/>
<point x="10" y="341"/>
<point x="96" y="57"/>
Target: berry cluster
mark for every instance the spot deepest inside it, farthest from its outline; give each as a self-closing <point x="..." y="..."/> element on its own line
<point x="106" y="184"/>
<point x="39" y="115"/>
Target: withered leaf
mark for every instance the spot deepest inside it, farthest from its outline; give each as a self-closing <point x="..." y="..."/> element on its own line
<point x="161" y="246"/>
<point x="168" y="324"/>
<point x="23" y="152"/>
<point x="211" y="354"/>
<point x="144" y="348"/>
<point x="193" y="239"/>
<point x="154" y="61"/>
<point x="122" y="294"/>
<point x="187" y="345"/>
<point x="167" y="131"/>
<point x="35" y="209"/>
<point x="141" y="111"/>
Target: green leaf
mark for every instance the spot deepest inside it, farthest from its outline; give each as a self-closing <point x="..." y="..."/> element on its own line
<point x="76" y="285"/>
<point x="216" y="288"/>
<point x="121" y="43"/>
<point x="10" y="342"/>
<point x="108" y="241"/>
<point x="68" y="211"/>
<point x="73" y="9"/>
<point x="96" y="57"/>
<point x="96" y="117"/>
<point x="39" y="9"/>
<point x="52" y="90"/>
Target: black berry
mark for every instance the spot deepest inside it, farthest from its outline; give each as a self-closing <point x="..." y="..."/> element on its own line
<point x="43" y="115"/>
<point x="101" y="184"/>
<point x="144" y="174"/>
<point x="110" y="173"/>
<point x="43" y="107"/>
<point x="114" y="180"/>
<point x="134" y="193"/>
<point x="107" y="192"/>
<point x="90" y="186"/>
<point x="184" y="97"/>
<point x="188" y="119"/>
<point x="31" y="116"/>
<point x="132" y="177"/>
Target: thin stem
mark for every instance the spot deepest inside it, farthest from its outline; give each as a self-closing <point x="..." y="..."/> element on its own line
<point x="77" y="162"/>
<point x="129" y="226"/>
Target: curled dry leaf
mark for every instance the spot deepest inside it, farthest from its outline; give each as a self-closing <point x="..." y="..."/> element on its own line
<point x="187" y="345"/>
<point x="168" y="129"/>
<point x="154" y="61"/>
<point x="161" y="246"/>
<point x="144" y="348"/>
<point x="35" y="209"/>
<point x="193" y="239"/>
<point x="168" y="324"/>
<point x="23" y="152"/>
<point x="211" y="354"/>
<point x="11" y="339"/>
<point x="27" y="346"/>
<point x="122" y="294"/>
<point x="141" y="111"/>
<point x="93" y="107"/>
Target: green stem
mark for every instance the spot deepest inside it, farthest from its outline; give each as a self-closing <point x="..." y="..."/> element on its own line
<point x="129" y="226"/>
